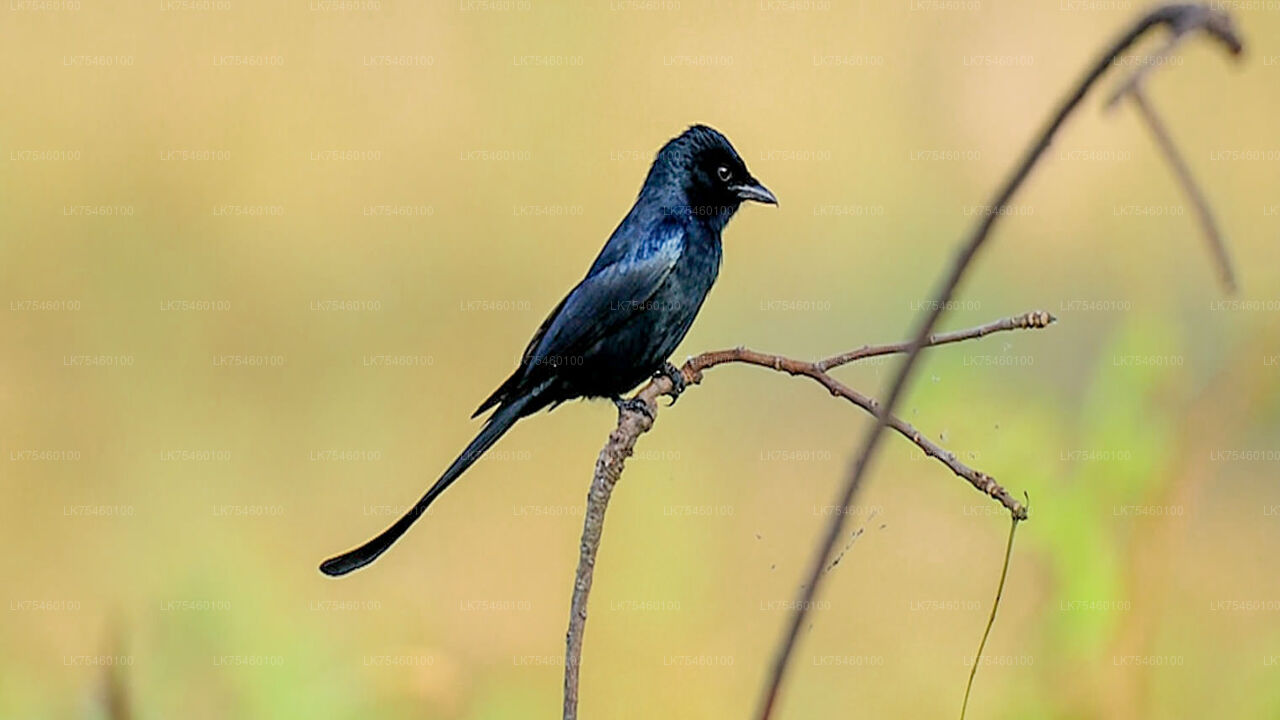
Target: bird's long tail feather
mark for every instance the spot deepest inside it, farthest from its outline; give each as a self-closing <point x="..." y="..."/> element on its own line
<point x="494" y="428"/>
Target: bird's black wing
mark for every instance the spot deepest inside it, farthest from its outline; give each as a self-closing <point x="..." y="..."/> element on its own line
<point x="607" y="298"/>
<point x="604" y="299"/>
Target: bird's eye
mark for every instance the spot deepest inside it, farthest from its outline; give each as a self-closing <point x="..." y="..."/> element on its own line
<point x="724" y="173"/>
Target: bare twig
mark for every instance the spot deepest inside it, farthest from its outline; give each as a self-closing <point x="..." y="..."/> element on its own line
<point x="1138" y="77"/>
<point x="632" y="424"/>
<point x="1133" y="87"/>
<point x="991" y="620"/>
<point x="608" y="469"/>
<point x="114" y="699"/>
<point x="1183" y="172"/>
<point x="1180" y="20"/>
<point x="1034" y="319"/>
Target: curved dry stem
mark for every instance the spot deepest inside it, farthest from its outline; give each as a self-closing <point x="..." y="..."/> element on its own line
<point x="991" y="620"/>
<point x="1180" y="20"/>
<point x="632" y="424"/>
<point x="1190" y="187"/>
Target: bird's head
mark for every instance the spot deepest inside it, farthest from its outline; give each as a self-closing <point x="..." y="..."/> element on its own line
<point x="705" y="173"/>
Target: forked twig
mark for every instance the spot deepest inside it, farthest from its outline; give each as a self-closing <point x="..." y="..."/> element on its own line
<point x="1134" y="87"/>
<point x="1180" y="20"/>
<point x="632" y="424"/>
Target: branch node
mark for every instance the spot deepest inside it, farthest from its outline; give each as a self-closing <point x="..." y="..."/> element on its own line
<point x="1036" y="319"/>
<point x="636" y="417"/>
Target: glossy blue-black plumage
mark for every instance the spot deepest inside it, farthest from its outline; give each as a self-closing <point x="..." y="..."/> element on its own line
<point x="621" y="322"/>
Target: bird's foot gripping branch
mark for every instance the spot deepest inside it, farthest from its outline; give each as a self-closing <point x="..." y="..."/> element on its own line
<point x="637" y="415"/>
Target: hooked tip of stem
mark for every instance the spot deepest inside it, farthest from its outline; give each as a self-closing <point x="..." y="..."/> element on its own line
<point x="1219" y="23"/>
<point x="1229" y="287"/>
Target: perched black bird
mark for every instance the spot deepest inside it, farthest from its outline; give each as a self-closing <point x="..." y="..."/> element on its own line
<point x="619" y="325"/>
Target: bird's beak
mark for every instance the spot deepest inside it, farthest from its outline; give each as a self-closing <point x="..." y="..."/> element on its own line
<point x="754" y="191"/>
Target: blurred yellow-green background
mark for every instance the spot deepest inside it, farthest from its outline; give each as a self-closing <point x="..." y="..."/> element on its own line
<point x="260" y="261"/>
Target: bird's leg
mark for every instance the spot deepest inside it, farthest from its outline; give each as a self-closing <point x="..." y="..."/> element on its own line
<point x="678" y="383"/>
<point x="634" y="404"/>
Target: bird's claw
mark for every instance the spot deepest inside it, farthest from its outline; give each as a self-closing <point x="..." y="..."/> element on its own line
<point x="635" y="405"/>
<point x="678" y="383"/>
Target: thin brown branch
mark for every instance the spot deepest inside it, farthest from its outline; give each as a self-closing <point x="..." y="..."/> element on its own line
<point x="1138" y="77"/>
<point x="633" y="424"/>
<point x="991" y="620"/>
<point x="1133" y="87"/>
<point x="1036" y="319"/>
<point x="1183" y="172"/>
<point x="1180" y="20"/>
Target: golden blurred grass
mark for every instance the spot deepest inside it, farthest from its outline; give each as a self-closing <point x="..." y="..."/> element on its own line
<point x="183" y="501"/>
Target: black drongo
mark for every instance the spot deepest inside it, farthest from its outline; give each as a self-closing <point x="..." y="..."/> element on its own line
<point x="622" y="321"/>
